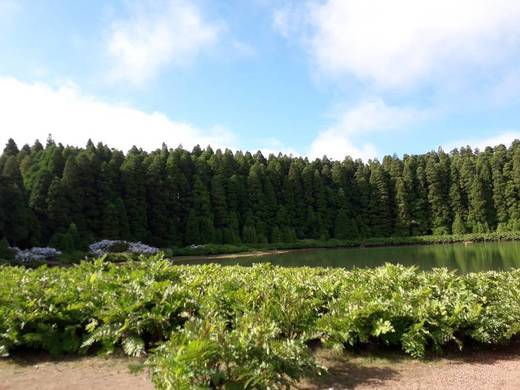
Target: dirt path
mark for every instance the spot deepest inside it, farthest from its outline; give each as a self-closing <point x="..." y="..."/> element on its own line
<point x="89" y="373"/>
<point x="474" y="370"/>
<point x="488" y="370"/>
<point x="238" y="255"/>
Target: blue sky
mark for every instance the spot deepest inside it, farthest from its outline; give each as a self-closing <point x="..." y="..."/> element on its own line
<point x="359" y="77"/>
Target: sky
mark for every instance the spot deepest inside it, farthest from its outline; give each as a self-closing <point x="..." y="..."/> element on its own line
<point x="364" y="78"/>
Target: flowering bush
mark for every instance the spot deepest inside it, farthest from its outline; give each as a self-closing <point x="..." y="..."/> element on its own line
<point x="142" y="249"/>
<point x="35" y="254"/>
<point x="108" y="246"/>
<point x="119" y="246"/>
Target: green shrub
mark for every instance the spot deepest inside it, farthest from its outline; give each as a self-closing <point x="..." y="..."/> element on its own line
<point x="247" y="327"/>
<point x="6" y="253"/>
<point x="252" y="355"/>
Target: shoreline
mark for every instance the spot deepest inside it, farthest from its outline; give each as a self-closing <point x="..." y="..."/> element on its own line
<point x="227" y="251"/>
<point x="254" y="253"/>
<point x="307" y="246"/>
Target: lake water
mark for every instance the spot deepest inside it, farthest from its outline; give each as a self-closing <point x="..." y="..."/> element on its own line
<point x="469" y="258"/>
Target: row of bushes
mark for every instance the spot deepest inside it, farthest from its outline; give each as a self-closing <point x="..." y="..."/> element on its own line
<point x="248" y="327"/>
<point x="215" y="249"/>
<point x="37" y="256"/>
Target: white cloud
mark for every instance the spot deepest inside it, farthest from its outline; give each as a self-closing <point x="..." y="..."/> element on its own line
<point x="31" y="111"/>
<point x="157" y="35"/>
<point x="274" y="146"/>
<point x="336" y="144"/>
<point x="505" y="138"/>
<point x="339" y="140"/>
<point x="402" y="43"/>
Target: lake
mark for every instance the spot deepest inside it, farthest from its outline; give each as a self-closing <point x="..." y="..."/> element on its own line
<point x="465" y="258"/>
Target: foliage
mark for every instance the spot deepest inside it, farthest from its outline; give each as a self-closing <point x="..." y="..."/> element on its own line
<point x="6" y="253"/>
<point x="120" y="246"/>
<point x="68" y="197"/>
<point x="239" y="327"/>
<point x="34" y="255"/>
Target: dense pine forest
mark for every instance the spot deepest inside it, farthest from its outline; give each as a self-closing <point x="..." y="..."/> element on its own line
<point x="68" y="197"/>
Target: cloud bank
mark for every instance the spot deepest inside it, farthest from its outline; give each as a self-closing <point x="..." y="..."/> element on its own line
<point x="31" y="111"/>
<point x="368" y="117"/>
<point x="503" y="137"/>
<point x="157" y="35"/>
<point x="403" y="43"/>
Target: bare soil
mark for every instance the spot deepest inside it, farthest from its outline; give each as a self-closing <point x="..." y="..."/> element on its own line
<point x="240" y="254"/>
<point x="485" y="369"/>
<point x="472" y="369"/>
<point x="88" y="373"/>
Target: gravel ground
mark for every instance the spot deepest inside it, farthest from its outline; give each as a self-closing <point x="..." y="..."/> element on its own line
<point x="499" y="369"/>
<point x="89" y="373"/>
<point x="471" y="370"/>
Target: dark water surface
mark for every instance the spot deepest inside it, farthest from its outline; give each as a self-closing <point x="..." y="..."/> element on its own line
<point x="465" y="258"/>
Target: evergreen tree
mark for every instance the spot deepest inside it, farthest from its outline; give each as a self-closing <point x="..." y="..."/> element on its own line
<point x="56" y="206"/>
<point x="200" y="213"/>
<point x="458" y="207"/>
<point x="5" y="252"/>
<point x="477" y="206"/>
<point x="158" y="212"/>
<point x="380" y="215"/>
<point x="403" y="226"/>
<point x="499" y="186"/>
<point x="133" y="175"/>
<point x="70" y="196"/>
<point x="438" y="194"/>
<point x="15" y="213"/>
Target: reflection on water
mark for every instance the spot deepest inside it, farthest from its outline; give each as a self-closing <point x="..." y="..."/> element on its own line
<point x="470" y="258"/>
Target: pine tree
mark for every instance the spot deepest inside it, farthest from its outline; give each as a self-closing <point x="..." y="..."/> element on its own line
<point x="200" y="214"/>
<point x="380" y="215"/>
<point x="477" y="206"/>
<point x="458" y="208"/>
<point x="193" y="228"/>
<point x="438" y="194"/>
<point x="218" y="202"/>
<point x="344" y="226"/>
<point x="172" y="197"/>
<point x="5" y="252"/>
<point x="56" y="206"/>
<point x="133" y="175"/>
<point x="15" y="214"/>
<point x="10" y="150"/>
<point x="249" y="231"/>
<point x="403" y="226"/>
<point x="257" y="202"/>
<point x="158" y="212"/>
<point x="361" y="206"/>
<point x="499" y="186"/>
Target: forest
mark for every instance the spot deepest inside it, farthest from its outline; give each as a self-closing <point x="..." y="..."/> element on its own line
<point x="68" y="197"/>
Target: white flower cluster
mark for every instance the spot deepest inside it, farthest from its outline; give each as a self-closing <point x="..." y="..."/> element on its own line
<point x="107" y="246"/>
<point x="142" y="249"/>
<point x="118" y="246"/>
<point x="35" y="254"/>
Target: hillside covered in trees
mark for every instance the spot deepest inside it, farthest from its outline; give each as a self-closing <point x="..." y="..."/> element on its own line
<point x="69" y="196"/>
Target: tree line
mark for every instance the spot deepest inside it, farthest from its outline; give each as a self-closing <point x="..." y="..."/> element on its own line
<point x="68" y="197"/>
